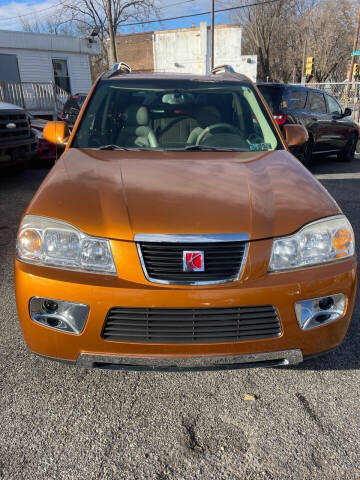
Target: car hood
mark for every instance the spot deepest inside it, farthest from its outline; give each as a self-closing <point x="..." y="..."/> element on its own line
<point x="117" y="194"/>
<point x="10" y="106"/>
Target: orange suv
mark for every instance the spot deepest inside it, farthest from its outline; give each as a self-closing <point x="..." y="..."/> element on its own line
<point x="176" y="231"/>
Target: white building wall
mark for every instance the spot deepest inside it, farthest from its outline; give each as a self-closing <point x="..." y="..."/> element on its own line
<point x="189" y="50"/>
<point x="36" y="66"/>
<point x="227" y="45"/>
<point x="177" y="51"/>
<point x="36" y="51"/>
<point x="42" y="41"/>
<point x="247" y="66"/>
<point x="80" y="75"/>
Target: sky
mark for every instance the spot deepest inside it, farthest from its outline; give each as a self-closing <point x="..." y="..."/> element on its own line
<point x="10" y="12"/>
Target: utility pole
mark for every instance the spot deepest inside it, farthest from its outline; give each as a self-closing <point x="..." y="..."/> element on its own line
<point x="112" y="46"/>
<point x="303" y="75"/>
<point x="356" y="39"/>
<point x="212" y="33"/>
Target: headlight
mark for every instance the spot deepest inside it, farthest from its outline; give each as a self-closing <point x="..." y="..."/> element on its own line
<point x="37" y="133"/>
<point x="318" y="242"/>
<point x="49" y="242"/>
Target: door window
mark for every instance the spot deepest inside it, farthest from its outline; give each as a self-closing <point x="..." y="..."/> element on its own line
<point x="61" y="74"/>
<point x="317" y="102"/>
<point x="334" y="107"/>
<point x="294" y="98"/>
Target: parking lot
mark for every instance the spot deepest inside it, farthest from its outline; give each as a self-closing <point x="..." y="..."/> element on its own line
<point x="59" y="422"/>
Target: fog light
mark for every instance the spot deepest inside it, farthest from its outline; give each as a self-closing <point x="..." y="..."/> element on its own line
<point x="320" y="311"/>
<point x="58" y="314"/>
<point x="50" y="305"/>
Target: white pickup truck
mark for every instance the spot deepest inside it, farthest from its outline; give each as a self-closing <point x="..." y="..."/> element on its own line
<point x="18" y="142"/>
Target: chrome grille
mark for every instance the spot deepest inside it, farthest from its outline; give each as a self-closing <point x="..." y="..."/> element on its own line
<point x="21" y="130"/>
<point x="162" y="260"/>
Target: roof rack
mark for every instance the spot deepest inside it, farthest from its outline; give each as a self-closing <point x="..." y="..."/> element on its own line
<point x="118" y="68"/>
<point x="222" y="68"/>
<point x="228" y="70"/>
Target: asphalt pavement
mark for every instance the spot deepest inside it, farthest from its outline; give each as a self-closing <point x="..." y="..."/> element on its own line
<point x="59" y="422"/>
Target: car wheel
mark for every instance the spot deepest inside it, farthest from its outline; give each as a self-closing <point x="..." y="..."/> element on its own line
<point x="348" y="153"/>
<point x="307" y="154"/>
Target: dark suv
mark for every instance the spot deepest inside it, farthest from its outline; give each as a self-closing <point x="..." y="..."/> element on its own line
<point x="330" y="129"/>
<point x="18" y="143"/>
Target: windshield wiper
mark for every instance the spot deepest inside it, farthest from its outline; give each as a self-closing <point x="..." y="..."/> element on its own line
<point x="206" y="148"/>
<point x="111" y="147"/>
<point x="118" y="147"/>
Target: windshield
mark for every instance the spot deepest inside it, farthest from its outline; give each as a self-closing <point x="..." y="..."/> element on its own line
<point x="175" y="115"/>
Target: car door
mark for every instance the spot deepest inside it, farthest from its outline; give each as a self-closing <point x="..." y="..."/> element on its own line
<point x="339" y="129"/>
<point x="318" y="121"/>
<point x="294" y="103"/>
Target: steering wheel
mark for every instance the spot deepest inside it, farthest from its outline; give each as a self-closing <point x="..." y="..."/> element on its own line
<point x="210" y="128"/>
<point x="254" y="138"/>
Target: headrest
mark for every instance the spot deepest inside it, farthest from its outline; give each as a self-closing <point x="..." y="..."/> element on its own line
<point x="208" y="116"/>
<point x="136" y="115"/>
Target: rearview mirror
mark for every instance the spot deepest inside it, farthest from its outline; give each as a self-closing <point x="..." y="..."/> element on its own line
<point x="56" y="132"/>
<point x="295" y="135"/>
<point x="347" y="112"/>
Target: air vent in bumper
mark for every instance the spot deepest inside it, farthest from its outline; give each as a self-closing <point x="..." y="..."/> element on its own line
<point x="198" y="325"/>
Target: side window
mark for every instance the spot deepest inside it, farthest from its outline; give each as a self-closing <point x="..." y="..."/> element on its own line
<point x="317" y="102"/>
<point x="294" y="98"/>
<point x="334" y="107"/>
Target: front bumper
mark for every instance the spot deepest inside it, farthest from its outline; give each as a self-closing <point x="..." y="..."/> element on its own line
<point x="255" y="287"/>
<point x="18" y="152"/>
<point x="267" y="359"/>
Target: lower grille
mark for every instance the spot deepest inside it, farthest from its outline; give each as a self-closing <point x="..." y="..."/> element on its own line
<point x="196" y="325"/>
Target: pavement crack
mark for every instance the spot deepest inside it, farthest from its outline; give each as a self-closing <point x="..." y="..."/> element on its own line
<point x="134" y="399"/>
<point x="309" y="410"/>
<point x="192" y="442"/>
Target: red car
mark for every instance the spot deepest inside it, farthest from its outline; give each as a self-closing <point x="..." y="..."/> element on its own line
<point x="46" y="151"/>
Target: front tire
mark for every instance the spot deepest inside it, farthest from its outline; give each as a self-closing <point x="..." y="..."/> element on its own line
<point x="348" y="152"/>
<point x="306" y="157"/>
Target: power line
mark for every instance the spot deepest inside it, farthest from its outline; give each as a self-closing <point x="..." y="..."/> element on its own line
<point x="6" y="19"/>
<point x="197" y="14"/>
<point x="35" y="12"/>
<point x="176" y="4"/>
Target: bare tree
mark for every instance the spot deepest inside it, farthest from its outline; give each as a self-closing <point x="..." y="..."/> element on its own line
<point x="108" y="16"/>
<point x="261" y="24"/>
<point x="58" y="24"/>
<point x="330" y="32"/>
<point x="281" y="32"/>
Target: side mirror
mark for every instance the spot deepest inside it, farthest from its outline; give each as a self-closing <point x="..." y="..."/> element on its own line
<point x="56" y="132"/>
<point x="295" y="135"/>
<point x="347" y="112"/>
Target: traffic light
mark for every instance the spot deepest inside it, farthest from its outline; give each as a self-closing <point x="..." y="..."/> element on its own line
<point x="309" y="66"/>
<point x="356" y="71"/>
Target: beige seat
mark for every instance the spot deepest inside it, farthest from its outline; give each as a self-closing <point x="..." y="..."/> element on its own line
<point x="136" y="131"/>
